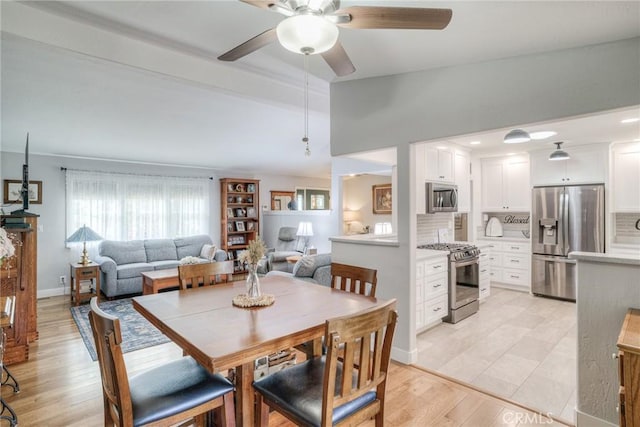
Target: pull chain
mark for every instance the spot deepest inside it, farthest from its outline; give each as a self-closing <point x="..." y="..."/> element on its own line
<point x="307" y="151"/>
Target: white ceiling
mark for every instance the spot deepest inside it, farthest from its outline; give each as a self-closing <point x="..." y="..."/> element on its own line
<point x="139" y="80"/>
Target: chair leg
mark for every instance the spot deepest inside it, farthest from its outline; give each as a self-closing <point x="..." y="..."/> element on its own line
<point x="229" y="410"/>
<point x="262" y="415"/>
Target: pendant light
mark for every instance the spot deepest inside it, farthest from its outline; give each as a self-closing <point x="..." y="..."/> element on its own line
<point x="516" y="136"/>
<point x="559" y="154"/>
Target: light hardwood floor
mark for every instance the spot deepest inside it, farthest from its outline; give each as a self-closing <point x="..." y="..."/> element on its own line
<point x="60" y="385"/>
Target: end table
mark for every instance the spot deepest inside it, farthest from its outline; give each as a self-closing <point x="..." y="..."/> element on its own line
<point x="80" y="274"/>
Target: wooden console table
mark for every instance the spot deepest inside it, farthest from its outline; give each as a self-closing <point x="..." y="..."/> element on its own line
<point x="629" y="369"/>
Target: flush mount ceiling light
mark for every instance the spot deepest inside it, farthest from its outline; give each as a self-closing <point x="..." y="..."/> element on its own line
<point x="307" y="34"/>
<point x="475" y="143"/>
<point x="517" y="136"/>
<point x="544" y="134"/>
<point x="559" y="154"/>
<point x="631" y="120"/>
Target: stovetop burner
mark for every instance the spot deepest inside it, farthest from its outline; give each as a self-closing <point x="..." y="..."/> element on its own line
<point x="457" y="251"/>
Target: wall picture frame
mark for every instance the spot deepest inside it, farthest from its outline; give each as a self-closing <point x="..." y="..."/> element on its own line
<point x="382" y="198"/>
<point x="13" y="187"/>
<point x="240" y="226"/>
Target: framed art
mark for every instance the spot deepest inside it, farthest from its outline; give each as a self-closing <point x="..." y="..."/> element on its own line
<point x="251" y="226"/>
<point x="239" y="225"/>
<point x="251" y="188"/>
<point x="251" y="212"/>
<point x="12" y="188"/>
<point x="229" y="213"/>
<point x="229" y="226"/>
<point x="382" y="197"/>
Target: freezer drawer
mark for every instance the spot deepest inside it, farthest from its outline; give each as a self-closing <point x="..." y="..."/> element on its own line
<point x="553" y="277"/>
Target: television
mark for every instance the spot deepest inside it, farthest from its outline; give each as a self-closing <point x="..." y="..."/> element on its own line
<point x="24" y="191"/>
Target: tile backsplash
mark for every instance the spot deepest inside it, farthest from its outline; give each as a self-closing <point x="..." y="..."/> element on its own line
<point x="428" y="226"/>
<point x="626" y="227"/>
<point x="515" y="224"/>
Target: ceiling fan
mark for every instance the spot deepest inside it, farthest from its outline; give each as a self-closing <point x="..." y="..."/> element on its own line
<point x="311" y="27"/>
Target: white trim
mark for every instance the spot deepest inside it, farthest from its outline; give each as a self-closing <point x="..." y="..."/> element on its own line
<point x="51" y="292"/>
<point x="403" y="356"/>
<point x="586" y="420"/>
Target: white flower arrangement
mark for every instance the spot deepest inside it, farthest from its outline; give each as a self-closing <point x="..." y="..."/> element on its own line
<point x="254" y="252"/>
<point x="6" y="246"/>
<point x="190" y="260"/>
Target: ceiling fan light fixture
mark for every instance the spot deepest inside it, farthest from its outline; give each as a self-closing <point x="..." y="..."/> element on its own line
<point x="559" y="154"/>
<point x="307" y="34"/>
<point x="516" y="136"/>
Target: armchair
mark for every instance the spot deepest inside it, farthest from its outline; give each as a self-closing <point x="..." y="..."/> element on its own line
<point x="287" y="244"/>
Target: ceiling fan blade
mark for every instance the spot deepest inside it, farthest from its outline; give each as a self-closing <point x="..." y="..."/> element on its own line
<point x="250" y="45"/>
<point x="270" y="5"/>
<point x="263" y="4"/>
<point x="411" y="18"/>
<point x="338" y="60"/>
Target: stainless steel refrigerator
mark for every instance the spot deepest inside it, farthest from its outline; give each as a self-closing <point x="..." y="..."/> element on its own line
<point x="564" y="219"/>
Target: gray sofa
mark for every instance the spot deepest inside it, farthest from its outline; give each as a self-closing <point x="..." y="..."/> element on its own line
<point x="122" y="262"/>
<point x="311" y="268"/>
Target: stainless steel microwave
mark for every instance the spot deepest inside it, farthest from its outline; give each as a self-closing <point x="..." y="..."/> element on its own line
<point x="441" y="197"/>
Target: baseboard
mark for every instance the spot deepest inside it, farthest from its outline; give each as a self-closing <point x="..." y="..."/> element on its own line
<point x="586" y="420"/>
<point x="52" y="292"/>
<point x="403" y="356"/>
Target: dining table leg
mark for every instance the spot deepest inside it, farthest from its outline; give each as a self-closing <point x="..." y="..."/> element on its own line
<point x="245" y="397"/>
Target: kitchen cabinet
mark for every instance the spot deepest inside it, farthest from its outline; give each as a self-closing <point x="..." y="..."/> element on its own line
<point x="505" y="184"/>
<point x="432" y="293"/>
<point x="484" y="267"/>
<point x="510" y="263"/>
<point x="438" y="164"/>
<point x="462" y="175"/>
<point x="626" y="177"/>
<point x="587" y="165"/>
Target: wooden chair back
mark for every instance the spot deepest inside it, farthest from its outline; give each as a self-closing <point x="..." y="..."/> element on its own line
<point x="354" y="279"/>
<point x="208" y="273"/>
<point x="115" y="383"/>
<point x="364" y="341"/>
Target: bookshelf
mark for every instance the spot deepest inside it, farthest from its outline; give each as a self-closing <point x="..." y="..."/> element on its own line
<point x="240" y="215"/>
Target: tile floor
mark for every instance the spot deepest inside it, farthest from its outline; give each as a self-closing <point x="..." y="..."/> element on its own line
<point x="517" y="346"/>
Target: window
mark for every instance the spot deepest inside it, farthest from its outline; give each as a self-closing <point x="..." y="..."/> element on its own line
<point x="312" y="199"/>
<point x="125" y="206"/>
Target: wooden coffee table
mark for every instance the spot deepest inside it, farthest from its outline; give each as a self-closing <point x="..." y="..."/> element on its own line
<point x="293" y="259"/>
<point x="153" y="281"/>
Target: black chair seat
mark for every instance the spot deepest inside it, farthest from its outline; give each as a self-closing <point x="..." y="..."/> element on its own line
<point x="298" y="391"/>
<point x="173" y="388"/>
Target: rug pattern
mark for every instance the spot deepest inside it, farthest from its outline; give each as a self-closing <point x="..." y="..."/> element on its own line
<point x="137" y="332"/>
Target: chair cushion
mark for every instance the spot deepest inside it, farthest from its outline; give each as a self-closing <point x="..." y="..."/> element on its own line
<point x="298" y="390"/>
<point x="173" y="388"/>
<point x="160" y="250"/>
<point x="163" y="265"/>
<point x="128" y="252"/>
<point x="128" y="271"/>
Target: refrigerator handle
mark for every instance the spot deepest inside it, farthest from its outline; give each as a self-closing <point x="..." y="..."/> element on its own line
<point x="565" y="222"/>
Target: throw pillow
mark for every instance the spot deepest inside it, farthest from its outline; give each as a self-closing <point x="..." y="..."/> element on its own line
<point x="208" y="252"/>
<point x="305" y="266"/>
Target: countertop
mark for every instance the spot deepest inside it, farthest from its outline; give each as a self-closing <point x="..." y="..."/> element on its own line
<point x="422" y="254"/>
<point x="607" y="258"/>
<point x="368" y="239"/>
<point x="505" y="239"/>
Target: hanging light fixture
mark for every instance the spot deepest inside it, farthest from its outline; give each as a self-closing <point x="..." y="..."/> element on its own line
<point x="559" y="154"/>
<point x="516" y="136"/>
<point x="307" y="34"/>
<point x="305" y="139"/>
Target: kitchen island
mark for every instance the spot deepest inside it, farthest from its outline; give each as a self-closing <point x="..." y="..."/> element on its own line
<point x="608" y="285"/>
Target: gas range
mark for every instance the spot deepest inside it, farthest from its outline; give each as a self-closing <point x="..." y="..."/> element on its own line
<point x="457" y="251"/>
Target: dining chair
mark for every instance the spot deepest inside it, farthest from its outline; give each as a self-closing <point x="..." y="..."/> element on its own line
<point x="351" y="278"/>
<point x="325" y="391"/>
<point x="162" y="396"/>
<point x="207" y="273"/>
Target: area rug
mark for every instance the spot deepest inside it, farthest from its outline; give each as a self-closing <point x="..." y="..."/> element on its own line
<point x="137" y="332"/>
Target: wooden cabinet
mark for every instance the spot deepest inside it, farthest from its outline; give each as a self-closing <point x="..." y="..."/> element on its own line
<point x="438" y="164"/>
<point x="587" y="165"/>
<point x="240" y="215"/>
<point x="626" y="177"/>
<point x="505" y="184"/>
<point x="85" y="282"/>
<point x="18" y="277"/>
<point x="629" y="370"/>
<point x="432" y="303"/>
<point x="462" y="176"/>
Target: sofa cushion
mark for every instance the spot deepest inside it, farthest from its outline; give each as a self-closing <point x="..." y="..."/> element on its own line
<point x="129" y="271"/>
<point x="124" y="252"/>
<point x="160" y="250"/>
<point x="307" y="265"/>
<point x="163" y="265"/>
<point x="191" y="246"/>
<point x="208" y="252"/>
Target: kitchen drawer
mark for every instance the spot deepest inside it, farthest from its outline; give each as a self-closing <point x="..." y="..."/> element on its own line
<point x="495" y="259"/>
<point x="515" y="261"/>
<point x="495" y="274"/>
<point x="435" y="267"/>
<point x="436" y="309"/>
<point x="485" y="288"/>
<point x="513" y="248"/>
<point x="493" y="246"/>
<point x="420" y="269"/>
<point x="419" y="290"/>
<point x="484" y="270"/>
<point x="435" y="284"/>
<point x="419" y="315"/>
<point x="515" y="277"/>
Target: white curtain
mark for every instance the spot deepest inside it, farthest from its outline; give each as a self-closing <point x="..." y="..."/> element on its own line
<point x="126" y="206"/>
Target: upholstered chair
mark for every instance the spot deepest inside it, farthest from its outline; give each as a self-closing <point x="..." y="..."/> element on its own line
<point x="287" y="245"/>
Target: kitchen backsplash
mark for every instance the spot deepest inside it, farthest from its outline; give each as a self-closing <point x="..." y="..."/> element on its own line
<point x="514" y="224"/>
<point x="428" y="226"/>
<point x="626" y="227"/>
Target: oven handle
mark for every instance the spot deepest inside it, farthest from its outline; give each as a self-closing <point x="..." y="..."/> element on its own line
<point x="473" y="260"/>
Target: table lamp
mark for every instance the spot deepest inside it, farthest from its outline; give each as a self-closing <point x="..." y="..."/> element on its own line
<point x="305" y="230"/>
<point x="84" y="234"/>
<point x="350" y="217"/>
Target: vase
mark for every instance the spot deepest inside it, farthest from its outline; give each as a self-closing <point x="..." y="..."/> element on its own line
<point x="253" y="282"/>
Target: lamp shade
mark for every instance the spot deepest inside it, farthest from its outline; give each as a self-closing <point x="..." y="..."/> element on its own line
<point x="350" y="216"/>
<point x="84" y="234"/>
<point x="382" y="228"/>
<point x="516" y="136"/>
<point x="307" y="34"/>
<point x="559" y="154"/>
<point x="305" y="229"/>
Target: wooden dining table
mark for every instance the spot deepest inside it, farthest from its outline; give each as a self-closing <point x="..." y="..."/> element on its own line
<point x="220" y="336"/>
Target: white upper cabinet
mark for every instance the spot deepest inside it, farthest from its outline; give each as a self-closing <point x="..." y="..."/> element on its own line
<point x="462" y="179"/>
<point x="438" y="162"/>
<point x="505" y="184"/>
<point x="587" y="165"/>
<point x="626" y="177"/>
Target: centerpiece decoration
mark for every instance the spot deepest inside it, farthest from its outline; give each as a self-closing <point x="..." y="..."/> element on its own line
<point x="254" y="296"/>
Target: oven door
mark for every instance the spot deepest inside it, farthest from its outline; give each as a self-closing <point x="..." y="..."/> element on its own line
<point x="464" y="282"/>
